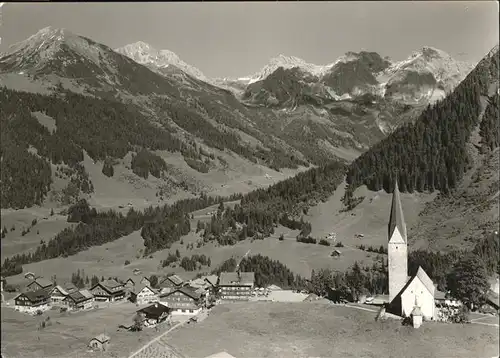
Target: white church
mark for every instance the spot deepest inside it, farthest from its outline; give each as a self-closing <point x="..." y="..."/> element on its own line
<point x="407" y="294"/>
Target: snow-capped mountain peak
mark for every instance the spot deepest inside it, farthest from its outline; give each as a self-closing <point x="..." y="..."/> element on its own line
<point x="38" y="50"/>
<point x="287" y="62"/>
<point x="145" y="54"/>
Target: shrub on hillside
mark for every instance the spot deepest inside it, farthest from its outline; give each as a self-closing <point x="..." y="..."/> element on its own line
<point x="324" y="242"/>
<point x="306" y="239"/>
<point x="107" y="168"/>
<point x="197" y="165"/>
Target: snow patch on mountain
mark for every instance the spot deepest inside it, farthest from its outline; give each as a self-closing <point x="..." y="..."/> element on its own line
<point x="145" y="54"/>
<point x="447" y="71"/>
<point x="287" y="62"/>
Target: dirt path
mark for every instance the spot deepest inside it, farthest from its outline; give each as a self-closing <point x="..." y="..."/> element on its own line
<point x="157" y="339"/>
<point x="162" y="342"/>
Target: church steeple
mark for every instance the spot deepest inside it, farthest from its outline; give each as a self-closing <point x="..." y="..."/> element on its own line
<point x="397" y="219"/>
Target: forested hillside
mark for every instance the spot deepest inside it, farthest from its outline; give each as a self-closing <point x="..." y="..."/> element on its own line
<point x="260" y="211"/>
<point x="430" y="154"/>
<point x="103" y="128"/>
<point x="94" y="229"/>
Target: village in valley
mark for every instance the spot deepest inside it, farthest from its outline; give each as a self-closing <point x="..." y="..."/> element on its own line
<point x="160" y="305"/>
<point x="315" y="181"/>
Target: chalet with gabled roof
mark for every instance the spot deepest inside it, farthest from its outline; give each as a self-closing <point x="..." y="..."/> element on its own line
<point x="108" y="291"/>
<point x="171" y="283"/>
<point x="32" y="301"/>
<point x="184" y="300"/>
<point x="236" y="286"/>
<point x="39" y="284"/>
<point x="143" y="294"/>
<point x="79" y="300"/>
<point x="57" y="294"/>
<point x="155" y="314"/>
<point x="99" y="342"/>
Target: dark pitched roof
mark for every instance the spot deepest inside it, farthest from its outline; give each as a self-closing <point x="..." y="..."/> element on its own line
<point x="41" y="282"/>
<point x="111" y="283"/>
<point x="187" y="290"/>
<point x="79" y="296"/>
<point x="108" y="286"/>
<point x="175" y="279"/>
<point x="155" y="310"/>
<point x="69" y="286"/>
<point x="235" y="278"/>
<point x="139" y="288"/>
<point x="35" y="295"/>
<point x="101" y="338"/>
<point x="397" y="219"/>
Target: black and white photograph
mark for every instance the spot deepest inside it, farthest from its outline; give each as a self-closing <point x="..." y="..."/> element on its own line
<point x="269" y="179"/>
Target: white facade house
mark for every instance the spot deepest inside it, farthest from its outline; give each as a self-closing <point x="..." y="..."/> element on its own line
<point x="32" y="301"/>
<point x="144" y="294"/>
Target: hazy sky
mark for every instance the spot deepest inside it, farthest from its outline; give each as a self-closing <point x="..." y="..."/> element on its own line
<point x="237" y="39"/>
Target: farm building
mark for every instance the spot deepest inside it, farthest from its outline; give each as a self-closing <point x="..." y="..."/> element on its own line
<point x="184" y="300"/>
<point x="108" y="291"/>
<point x="171" y="283"/>
<point x="336" y="253"/>
<point x="79" y="300"/>
<point x="143" y="294"/>
<point x="32" y="301"/>
<point x="155" y="314"/>
<point x="100" y="342"/>
<point x="39" y="284"/>
<point x="404" y="292"/>
<point x="236" y="286"/>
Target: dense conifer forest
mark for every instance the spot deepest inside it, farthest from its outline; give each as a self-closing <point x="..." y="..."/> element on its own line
<point x="145" y="163"/>
<point x="101" y="127"/>
<point x="430" y="154"/>
<point x="489" y="125"/>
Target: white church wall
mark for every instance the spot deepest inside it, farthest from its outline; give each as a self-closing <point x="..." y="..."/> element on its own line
<point x="425" y="299"/>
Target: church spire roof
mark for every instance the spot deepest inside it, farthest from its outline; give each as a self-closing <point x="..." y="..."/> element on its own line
<point x="397" y="219"/>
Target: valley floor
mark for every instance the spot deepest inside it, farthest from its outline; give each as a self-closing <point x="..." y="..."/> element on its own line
<point x="246" y="330"/>
<point x="318" y="329"/>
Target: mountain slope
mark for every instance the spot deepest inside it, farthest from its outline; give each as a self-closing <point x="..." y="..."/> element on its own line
<point x="102" y="107"/>
<point x="446" y="149"/>
<point x="188" y="135"/>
